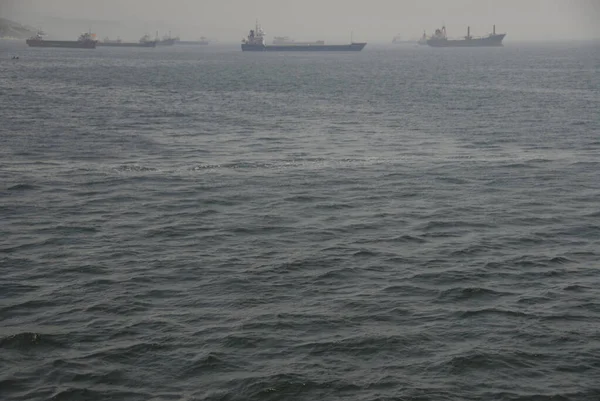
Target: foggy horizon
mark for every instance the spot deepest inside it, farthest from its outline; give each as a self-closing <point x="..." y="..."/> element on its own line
<point x="377" y="21"/>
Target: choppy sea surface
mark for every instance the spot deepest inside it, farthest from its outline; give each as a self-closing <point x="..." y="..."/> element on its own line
<point x="403" y="223"/>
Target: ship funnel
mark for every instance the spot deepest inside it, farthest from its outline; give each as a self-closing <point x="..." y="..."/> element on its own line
<point x="468" y="32"/>
<point x="494" y="29"/>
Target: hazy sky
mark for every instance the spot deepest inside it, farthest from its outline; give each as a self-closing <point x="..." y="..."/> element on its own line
<point x="375" y="20"/>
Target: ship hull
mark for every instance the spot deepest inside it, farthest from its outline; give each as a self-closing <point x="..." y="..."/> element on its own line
<point x="356" y="47"/>
<point x="62" y="44"/>
<point x="125" y="44"/>
<point x="490" y="41"/>
<point x="280" y="43"/>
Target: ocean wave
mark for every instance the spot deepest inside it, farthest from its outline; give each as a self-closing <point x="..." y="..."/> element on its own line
<point x="459" y="294"/>
<point x="22" y="187"/>
<point x="500" y="312"/>
<point x="252" y="227"/>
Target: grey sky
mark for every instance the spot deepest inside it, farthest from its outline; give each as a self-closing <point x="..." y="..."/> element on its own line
<point x="375" y="20"/>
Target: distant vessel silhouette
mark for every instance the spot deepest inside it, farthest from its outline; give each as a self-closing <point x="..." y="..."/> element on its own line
<point x="167" y="40"/>
<point x="85" y="41"/>
<point x="202" y="42"/>
<point x="255" y="41"/>
<point x="440" y="39"/>
<point x="145" y="41"/>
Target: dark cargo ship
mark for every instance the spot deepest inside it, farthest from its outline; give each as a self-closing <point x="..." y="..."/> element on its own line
<point x="85" y="41"/>
<point x="145" y="41"/>
<point x="255" y="42"/>
<point x="441" y="40"/>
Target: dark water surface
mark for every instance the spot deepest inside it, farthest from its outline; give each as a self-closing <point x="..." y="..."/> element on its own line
<point x="402" y="223"/>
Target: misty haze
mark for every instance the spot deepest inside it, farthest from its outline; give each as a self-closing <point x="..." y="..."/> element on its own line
<point x="299" y="201"/>
<point x="378" y="21"/>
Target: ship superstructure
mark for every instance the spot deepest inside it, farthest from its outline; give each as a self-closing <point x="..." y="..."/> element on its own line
<point x="167" y="40"/>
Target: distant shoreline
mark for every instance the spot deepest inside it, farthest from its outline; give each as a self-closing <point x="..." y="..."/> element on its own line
<point x="13" y="30"/>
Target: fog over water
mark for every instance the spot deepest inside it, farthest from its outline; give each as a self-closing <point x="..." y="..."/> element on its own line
<point x="204" y="223"/>
<point x="379" y="20"/>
